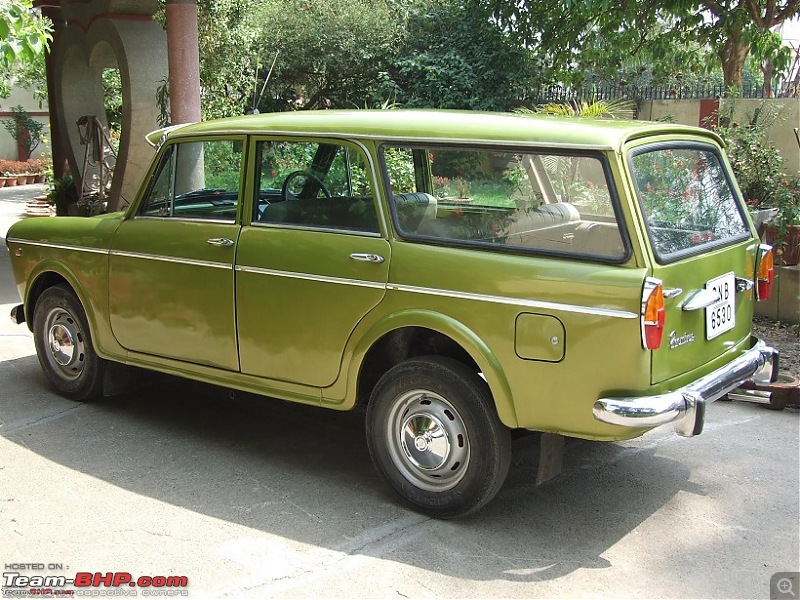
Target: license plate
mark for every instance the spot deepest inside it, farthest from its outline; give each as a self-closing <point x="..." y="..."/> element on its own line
<point x="721" y="316"/>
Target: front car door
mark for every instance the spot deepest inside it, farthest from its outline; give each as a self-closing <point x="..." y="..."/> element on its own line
<point x="171" y="277"/>
<point x="313" y="260"/>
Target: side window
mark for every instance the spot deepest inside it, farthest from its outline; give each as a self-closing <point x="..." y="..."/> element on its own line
<point x="197" y="180"/>
<point x="158" y="201"/>
<point x="519" y="199"/>
<point x="314" y="184"/>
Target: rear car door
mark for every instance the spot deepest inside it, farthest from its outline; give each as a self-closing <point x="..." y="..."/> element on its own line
<point x="703" y="250"/>
<point x="171" y="278"/>
<point x="313" y="260"/>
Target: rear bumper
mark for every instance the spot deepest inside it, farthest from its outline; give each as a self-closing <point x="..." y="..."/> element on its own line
<point x="685" y="407"/>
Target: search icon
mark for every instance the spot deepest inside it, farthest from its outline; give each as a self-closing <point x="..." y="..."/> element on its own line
<point x="786" y="586"/>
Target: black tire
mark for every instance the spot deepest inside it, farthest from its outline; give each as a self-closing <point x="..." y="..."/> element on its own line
<point x="435" y="437"/>
<point x="64" y="345"/>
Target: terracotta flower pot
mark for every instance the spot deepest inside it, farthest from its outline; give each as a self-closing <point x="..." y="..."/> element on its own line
<point x="22" y="179"/>
<point x="11" y="181"/>
<point x="2" y="182"/>
<point x="788" y="248"/>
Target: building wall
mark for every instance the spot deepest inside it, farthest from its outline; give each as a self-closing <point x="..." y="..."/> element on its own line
<point x="23" y="97"/>
<point x="781" y="133"/>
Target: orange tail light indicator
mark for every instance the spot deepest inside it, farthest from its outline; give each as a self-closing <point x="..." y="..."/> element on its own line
<point x="766" y="272"/>
<point x="653" y="313"/>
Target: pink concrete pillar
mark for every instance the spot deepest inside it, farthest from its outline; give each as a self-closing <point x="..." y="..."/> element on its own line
<point x="184" y="61"/>
<point x="52" y="10"/>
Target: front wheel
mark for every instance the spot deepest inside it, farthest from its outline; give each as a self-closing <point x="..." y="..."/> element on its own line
<point x="64" y="345"/>
<point x="435" y="438"/>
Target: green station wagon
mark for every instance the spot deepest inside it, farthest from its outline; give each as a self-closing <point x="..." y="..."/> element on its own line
<point x="463" y="275"/>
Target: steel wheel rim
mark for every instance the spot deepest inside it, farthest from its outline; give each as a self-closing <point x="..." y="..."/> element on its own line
<point x="65" y="346"/>
<point x="428" y="440"/>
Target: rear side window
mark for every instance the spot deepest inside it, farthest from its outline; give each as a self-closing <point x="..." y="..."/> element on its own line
<point x="319" y="184"/>
<point x="509" y="200"/>
<point x="687" y="200"/>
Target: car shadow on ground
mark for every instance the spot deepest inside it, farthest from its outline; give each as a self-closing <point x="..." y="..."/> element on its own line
<point x="304" y="473"/>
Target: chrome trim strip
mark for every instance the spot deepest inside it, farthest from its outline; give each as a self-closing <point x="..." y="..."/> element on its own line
<point x="185" y="219"/>
<point x="308" y="277"/>
<point x="685" y="407"/>
<point x="588" y="310"/>
<point x="359" y="232"/>
<point x="173" y="259"/>
<point x="57" y="246"/>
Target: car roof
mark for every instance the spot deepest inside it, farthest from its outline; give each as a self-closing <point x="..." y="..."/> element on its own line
<point x="439" y="125"/>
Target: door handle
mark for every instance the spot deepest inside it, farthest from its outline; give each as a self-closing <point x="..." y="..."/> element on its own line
<point x="365" y="257"/>
<point x="224" y="242"/>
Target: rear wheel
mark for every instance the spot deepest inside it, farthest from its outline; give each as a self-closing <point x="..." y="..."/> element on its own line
<point x="435" y="437"/>
<point x="64" y="345"/>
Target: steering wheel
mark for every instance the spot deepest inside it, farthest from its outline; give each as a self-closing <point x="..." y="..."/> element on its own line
<point x="295" y="174"/>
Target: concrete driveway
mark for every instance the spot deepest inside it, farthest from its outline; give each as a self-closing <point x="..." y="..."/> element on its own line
<point x="251" y="497"/>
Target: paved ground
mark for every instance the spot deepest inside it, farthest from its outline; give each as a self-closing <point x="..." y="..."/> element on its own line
<point x="250" y="497"/>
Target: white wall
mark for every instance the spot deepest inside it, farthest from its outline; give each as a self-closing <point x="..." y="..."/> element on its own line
<point x="23" y="97"/>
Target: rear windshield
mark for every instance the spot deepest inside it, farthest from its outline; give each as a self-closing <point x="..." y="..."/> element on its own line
<point x="687" y="200"/>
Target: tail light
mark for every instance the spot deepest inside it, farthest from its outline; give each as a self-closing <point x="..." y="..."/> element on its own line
<point x="765" y="274"/>
<point x="653" y="314"/>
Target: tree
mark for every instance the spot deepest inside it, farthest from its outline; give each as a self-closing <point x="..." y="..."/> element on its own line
<point x="24" y="35"/>
<point x="597" y="32"/>
<point x="226" y="33"/>
<point x="452" y="57"/>
<point x="326" y="53"/>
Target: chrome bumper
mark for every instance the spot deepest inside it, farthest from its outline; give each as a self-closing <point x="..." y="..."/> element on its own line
<point x="685" y="408"/>
<point x="18" y="314"/>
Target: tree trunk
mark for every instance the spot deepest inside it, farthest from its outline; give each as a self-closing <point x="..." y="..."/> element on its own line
<point x="767" y="71"/>
<point x="733" y="54"/>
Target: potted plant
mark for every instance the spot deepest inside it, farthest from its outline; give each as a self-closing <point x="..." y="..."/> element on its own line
<point x="783" y="230"/>
<point x="14" y="171"/>
<point x="64" y="195"/>
<point x="3" y="173"/>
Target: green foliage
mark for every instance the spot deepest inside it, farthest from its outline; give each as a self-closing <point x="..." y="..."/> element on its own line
<point x="24" y="33"/>
<point x="112" y="98"/>
<point x="598" y="109"/>
<point x="226" y="36"/>
<point x="63" y="193"/>
<point x="330" y="53"/>
<point x="758" y="165"/>
<point x="453" y="57"/>
<point x="602" y="35"/>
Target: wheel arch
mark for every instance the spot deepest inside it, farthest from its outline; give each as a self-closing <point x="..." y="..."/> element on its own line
<point x="371" y="358"/>
<point x="47" y="276"/>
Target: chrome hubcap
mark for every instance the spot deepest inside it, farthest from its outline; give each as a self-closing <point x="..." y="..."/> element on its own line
<point x="61" y="345"/>
<point x="65" y="342"/>
<point x="428" y="440"/>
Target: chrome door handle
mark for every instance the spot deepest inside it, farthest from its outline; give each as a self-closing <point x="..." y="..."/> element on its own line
<point x="220" y="242"/>
<point x="373" y="258"/>
<point x="743" y="285"/>
<point x="699" y="300"/>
